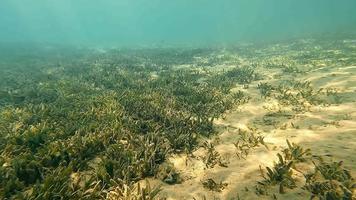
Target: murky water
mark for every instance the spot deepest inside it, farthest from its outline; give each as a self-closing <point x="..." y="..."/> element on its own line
<point x="159" y="22"/>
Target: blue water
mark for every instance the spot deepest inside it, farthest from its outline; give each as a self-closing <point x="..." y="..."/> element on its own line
<point x="167" y="22"/>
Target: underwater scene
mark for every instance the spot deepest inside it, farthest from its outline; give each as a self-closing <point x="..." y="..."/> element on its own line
<point x="174" y="100"/>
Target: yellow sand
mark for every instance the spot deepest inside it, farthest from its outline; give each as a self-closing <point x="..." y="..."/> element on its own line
<point x="328" y="131"/>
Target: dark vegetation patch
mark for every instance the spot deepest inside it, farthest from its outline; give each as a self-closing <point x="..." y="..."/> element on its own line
<point x="300" y="95"/>
<point x="78" y="127"/>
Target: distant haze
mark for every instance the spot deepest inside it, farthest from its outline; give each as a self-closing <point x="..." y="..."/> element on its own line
<point x="165" y="22"/>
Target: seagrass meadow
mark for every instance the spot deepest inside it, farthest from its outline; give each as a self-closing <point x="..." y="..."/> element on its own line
<point x="255" y="121"/>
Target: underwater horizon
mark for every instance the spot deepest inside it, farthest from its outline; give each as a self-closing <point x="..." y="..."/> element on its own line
<point x="143" y="23"/>
<point x="177" y="99"/>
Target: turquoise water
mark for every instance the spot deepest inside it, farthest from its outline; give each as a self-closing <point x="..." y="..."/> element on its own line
<point x="81" y="119"/>
<point x="171" y="22"/>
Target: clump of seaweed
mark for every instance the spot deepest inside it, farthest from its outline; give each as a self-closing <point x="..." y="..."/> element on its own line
<point x="212" y="157"/>
<point x="301" y="95"/>
<point x="330" y="181"/>
<point x="242" y="75"/>
<point x="296" y="153"/>
<point x="212" y="185"/>
<point x="247" y="141"/>
<point x="132" y="192"/>
<point x="293" y="70"/>
<point x="280" y="174"/>
<point x="265" y="89"/>
<point x="168" y="174"/>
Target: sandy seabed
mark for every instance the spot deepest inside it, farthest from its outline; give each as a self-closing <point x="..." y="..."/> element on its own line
<point x="328" y="130"/>
<point x="254" y="121"/>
